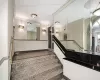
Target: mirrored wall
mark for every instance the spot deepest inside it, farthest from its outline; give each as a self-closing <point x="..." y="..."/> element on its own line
<point x="76" y="25"/>
<point x="31" y="30"/>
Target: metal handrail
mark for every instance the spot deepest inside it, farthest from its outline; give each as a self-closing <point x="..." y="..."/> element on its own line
<point x="10" y="53"/>
<point x="75" y="43"/>
<point x="3" y="59"/>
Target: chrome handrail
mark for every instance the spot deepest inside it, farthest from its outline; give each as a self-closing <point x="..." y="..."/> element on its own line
<point x="75" y="43"/>
<point x="3" y="59"/>
<point x="10" y="53"/>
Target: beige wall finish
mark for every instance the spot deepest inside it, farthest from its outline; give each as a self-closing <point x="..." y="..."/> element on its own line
<point x="75" y="32"/>
<point x="86" y="26"/>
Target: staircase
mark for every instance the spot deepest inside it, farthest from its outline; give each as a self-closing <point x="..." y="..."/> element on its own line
<point x="37" y="65"/>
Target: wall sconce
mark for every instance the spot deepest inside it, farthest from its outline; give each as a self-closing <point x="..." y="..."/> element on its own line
<point x="28" y="23"/>
<point x="21" y="28"/>
<point x="44" y="31"/>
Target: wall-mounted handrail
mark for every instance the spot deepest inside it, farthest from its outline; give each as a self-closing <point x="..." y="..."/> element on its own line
<point x="61" y="47"/>
<point x="3" y="59"/>
<point x="75" y="43"/>
<point x="10" y="53"/>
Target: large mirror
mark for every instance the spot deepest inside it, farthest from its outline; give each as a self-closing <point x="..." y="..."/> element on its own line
<point x="32" y="31"/>
<point x="77" y="25"/>
<point x="74" y="30"/>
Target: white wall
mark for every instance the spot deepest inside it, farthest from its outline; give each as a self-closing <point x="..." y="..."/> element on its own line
<point x="59" y="53"/>
<point x="6" y="22"/>
<point x="77" y="72"/>
<point x="4" y="71"/>
<point x="30" y="45"/>
<point x="3" y="28"/>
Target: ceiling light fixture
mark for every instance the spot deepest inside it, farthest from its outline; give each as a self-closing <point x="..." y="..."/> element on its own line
<point x="34" y="15"/>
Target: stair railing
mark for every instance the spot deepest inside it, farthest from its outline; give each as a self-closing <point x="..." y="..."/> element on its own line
<point x="11" y="51"/>
<point x="80" y="48"/>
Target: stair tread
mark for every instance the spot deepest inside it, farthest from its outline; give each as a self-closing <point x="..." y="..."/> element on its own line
<point x="47" y="74"/>
<point x="46" y="57"/>
<point x="31" y="55"/>
<point x="41" y="66"/>
<point x="32" y="70"/>
<point x="50" y="75"/>
<point x="35" y="63"/>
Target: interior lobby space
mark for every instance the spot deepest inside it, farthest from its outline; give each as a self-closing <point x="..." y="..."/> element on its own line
<point x="50" y="40"/>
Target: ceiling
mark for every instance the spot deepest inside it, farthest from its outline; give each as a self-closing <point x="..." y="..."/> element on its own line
<point x="43" y="8"/>
<point x="73" y="12"/>
<point x="92" y="4"/>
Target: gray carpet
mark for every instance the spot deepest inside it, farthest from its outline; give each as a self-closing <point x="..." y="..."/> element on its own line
<point x="42" y="65"/>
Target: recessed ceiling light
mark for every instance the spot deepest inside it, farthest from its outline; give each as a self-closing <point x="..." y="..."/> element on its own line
<point x="34" y="15"/>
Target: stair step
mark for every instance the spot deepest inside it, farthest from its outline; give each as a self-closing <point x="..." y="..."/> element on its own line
<point x="57" y="77"/>
<point x="26" y="55"/>
<point x="38" y="59"/>
<point x="47" y="74"/>
<point x="32" y="70"/>
<point x="36" y="64"/>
